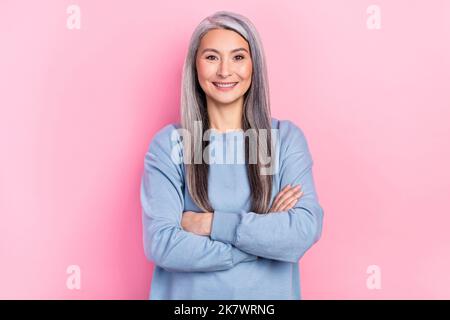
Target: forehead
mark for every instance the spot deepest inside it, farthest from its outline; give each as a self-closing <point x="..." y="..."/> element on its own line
<point x="223" y="40"/>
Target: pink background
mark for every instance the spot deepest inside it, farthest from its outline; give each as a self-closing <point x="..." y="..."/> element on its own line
<point x="79" y="108"/>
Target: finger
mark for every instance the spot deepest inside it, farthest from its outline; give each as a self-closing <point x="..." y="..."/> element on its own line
<point x="291" y="202"/>
<point x="274" y="208"/>
<point x="276" y="201"/>
<point x="288" y="206"/>
<point x="288" y="195"/>
<point x="288" y="198"/>
<point x="280" y="194"/>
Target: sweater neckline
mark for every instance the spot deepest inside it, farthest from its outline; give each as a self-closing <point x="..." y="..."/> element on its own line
<point x="227" y="134"/>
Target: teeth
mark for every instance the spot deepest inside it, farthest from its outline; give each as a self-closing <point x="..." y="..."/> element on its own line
<point x="223" y="85"/>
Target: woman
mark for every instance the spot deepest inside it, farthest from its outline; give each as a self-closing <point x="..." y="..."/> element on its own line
<point x="219" y="230"/>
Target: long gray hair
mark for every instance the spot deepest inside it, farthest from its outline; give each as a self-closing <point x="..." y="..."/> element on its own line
<point x="256" y="113"/>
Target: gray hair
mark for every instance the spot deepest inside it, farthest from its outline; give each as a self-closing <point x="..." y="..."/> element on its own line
<point x="256" y="113"/>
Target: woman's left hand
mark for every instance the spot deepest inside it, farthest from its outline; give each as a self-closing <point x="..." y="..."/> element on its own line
<point x="197" y="222"/>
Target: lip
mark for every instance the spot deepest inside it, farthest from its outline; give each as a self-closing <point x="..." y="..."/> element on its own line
<point x="224" y="83"/>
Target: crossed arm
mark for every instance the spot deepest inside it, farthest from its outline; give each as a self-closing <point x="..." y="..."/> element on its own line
<point x="201" y="224"/>
<point x="212" y="241"/>
<point x="165" y="242"/>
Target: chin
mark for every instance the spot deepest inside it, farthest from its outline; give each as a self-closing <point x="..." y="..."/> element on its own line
<point x="221" y="100"/>
<point x="225" y="98"/>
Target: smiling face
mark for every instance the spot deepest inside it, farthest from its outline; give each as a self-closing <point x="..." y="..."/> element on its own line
<point x="224" y="66"/>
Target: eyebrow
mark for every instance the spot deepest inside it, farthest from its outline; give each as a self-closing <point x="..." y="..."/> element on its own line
<point x="234" y="50"/>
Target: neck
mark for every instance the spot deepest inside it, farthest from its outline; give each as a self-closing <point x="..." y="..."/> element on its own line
<point x="224" y="117"/>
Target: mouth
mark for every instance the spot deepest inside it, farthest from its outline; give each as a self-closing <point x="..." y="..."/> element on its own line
<point x="225" y="86"/>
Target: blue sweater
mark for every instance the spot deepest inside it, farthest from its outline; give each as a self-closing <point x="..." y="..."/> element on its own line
<point x="247" y="255"/>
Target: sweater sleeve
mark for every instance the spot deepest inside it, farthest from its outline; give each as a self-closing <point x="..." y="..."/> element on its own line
<point x="162" y="200"/>
<point x="286" y="235"/>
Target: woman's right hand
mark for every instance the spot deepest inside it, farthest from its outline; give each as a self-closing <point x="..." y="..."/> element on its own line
<point x="286" y="198"/>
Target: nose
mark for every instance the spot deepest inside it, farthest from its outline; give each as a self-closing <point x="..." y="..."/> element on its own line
<point x="223" y="70"/>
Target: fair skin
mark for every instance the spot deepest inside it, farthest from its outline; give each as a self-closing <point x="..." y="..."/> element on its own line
<point x="223" y="60"/>
<point x="224" y="57"/>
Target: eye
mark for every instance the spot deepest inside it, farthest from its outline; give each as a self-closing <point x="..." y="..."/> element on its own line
<point x="208" y="57"/>
<point x="239" y="57"/>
